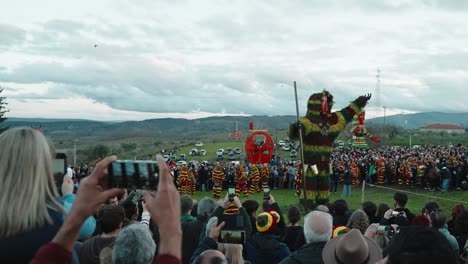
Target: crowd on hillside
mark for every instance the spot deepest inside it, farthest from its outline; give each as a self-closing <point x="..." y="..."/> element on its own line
<point x="86" y="222"/>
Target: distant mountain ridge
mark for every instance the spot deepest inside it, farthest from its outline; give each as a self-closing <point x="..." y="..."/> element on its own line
<point x="423" y="119"/>
<point x="73" y="128"/>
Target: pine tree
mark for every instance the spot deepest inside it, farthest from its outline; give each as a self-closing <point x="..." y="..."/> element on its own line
<point x="3" y="111"/>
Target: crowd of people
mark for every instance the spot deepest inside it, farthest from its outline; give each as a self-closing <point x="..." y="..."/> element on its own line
<point x="433" y="168"/>
<point x="87" y="222"/>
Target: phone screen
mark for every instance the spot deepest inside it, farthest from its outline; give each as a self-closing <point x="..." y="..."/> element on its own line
<point x="232" y="236"/>
<point x="59" y="167"/>
<point x="133" y="174"/>
<point x="232" y="193"/>
<point x="266" y="193"/>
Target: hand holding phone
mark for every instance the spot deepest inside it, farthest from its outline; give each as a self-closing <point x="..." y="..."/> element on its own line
<point x="133" y="174"/>
<point x="231" y="193"/>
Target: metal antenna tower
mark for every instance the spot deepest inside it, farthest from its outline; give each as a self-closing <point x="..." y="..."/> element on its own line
<point x="378" y="99"/>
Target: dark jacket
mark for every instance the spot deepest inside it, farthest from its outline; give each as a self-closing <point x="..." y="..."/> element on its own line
<point x="22" y="248"/>
<point x="265" y="248"/>
<point x="205" y="244"/>
<point x="347" y="177"/>
<point x="292" y="232"/>
<point x="90" y="250"/>
<point x="190" y="238"/>
<point x="309" y="253"/>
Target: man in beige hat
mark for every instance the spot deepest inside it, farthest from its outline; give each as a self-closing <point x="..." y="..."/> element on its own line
<point x="351" y="248"/>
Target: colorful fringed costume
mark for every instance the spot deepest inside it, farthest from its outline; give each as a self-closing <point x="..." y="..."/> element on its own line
<point x="193" y="182"/>
<point x="218" y="178"/>
<point x="184" y="181"/>
<point x="241" y="181"/>
<point x="356" y="174"/>
<point x="265" y="175"/>
<point x="320" y="128"/>
<point x="360" y="132"/>
<point x="380" y="165"/>
<point x="254" y="180"/>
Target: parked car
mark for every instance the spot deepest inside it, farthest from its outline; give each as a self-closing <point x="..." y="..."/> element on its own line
<point x="203" y="152"/>
<point x="281" y="143"/>
<point x="237" y="151"/>
<point x="183" y="156"/>
<point x="340" y="143"/>
<point x="194" y="162"/>
<point x="293" y="153"/>
<point x="166" y="157"/>
<point x="285" y="148"/>
<point x="181" y="163"/>
<point x="172" y="157"/>
<point x="220" y="152"/>
<point x="193" y="152"/>
<point x="220" y="157"/>
<point x="228" y="150"/>
<point x="231" y="156"/>
<point x="199" y="144"/>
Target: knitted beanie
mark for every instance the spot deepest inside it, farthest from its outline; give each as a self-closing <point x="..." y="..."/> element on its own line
<point x="267" y="221"/>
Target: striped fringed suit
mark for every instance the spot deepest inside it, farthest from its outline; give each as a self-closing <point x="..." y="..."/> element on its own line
<point x="217" y="177"/>
<point x="319" y="131"/>
<point x="241" y="183"/>
<point x="380" y="164"/>
<point x="184" y="182"/>
<point x="254" y="180"/>
<point x="265" y="175"/>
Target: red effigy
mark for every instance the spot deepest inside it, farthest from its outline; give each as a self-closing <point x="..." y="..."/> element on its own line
<point x="259" y="151"/>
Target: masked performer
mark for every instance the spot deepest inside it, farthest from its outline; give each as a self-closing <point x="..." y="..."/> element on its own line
<point x="254" y="180"/>
<point x="184" y="181"/>
<point x="241" y="181"/>
<point x="360" y="132"/>
<point x="218" y="178"/>
<point x="320" y="127"/>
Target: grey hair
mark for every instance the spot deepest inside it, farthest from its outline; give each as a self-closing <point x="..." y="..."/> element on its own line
<point x="27" y="180"/>
<point x="206" y="205"/>
<point x="208" y="225"/>
<point x="134" y="244"/>
<point x="318" y="227"/>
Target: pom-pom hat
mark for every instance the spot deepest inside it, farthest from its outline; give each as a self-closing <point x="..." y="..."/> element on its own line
<point x="267" y="221"/>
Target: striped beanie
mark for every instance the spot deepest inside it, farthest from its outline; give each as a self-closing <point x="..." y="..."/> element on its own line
<point x="231" y="208"/>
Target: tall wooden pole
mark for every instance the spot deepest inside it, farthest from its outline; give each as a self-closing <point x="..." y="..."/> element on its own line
<point x="302" y="152"/>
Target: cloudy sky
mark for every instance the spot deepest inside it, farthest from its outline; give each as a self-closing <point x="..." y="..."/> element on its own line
<point x="123" y="59"/>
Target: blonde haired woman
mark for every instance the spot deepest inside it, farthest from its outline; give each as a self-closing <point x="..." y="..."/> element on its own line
<point x="31" y="210"/>
<point x="233" y="253"/>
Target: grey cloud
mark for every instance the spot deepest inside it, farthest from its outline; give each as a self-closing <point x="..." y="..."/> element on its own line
<point x="11" y="35"/>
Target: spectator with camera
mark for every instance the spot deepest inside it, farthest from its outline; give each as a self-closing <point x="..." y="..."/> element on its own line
<point x="31" y="210"/>
<point x="163" y="205"/>
<point x="233" y="214"/>
<point x="264" y="246"/>
<point x="400" y="200"/>
<point x="191" y="231"/>
<point x="318" y="228"/>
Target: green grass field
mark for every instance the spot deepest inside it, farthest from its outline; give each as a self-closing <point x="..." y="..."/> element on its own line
<point x="416" y="199"/>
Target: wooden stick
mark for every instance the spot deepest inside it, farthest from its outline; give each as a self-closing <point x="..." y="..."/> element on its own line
<point x="302" y="152"/>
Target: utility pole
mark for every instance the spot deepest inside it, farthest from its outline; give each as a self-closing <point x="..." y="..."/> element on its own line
<point x="74" y="154"/>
